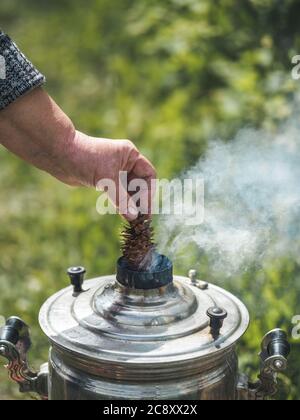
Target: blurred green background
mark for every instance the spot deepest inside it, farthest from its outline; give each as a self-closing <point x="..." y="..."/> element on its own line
<point x="170" y="75"/>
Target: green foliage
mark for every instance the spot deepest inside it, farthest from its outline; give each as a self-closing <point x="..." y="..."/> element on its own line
<point x="171" y="75"/>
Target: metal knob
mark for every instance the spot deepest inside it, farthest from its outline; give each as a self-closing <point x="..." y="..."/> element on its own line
<point x="13" y="330"/>
<point x="217" y="316"/>
<point x="193" y="276"/>
<point x="76" y="275"/>
<point x="202" y="285"/>
<point x="276" y="349"/>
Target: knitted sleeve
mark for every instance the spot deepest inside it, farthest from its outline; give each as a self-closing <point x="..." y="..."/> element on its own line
<point x="17" y="74"/>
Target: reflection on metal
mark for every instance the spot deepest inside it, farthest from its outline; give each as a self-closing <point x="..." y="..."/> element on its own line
<point x="115" y="341"/>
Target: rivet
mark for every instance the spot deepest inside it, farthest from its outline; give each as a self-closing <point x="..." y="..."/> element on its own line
<point x="279" y="364"/>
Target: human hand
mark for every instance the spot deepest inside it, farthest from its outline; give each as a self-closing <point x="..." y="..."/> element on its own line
<point x="96" y="160"/>
<point x="37" y="130"/>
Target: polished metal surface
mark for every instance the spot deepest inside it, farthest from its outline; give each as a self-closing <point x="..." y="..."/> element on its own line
<point x="150" y="324"/>
<point x="113" y="342"/>
<point x="216" y="381"/>
<point x="119" y="343"/>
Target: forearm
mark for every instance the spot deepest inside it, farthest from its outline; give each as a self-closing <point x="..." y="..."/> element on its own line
<point x="36" y="129"/>
<point x="32" y="126"/>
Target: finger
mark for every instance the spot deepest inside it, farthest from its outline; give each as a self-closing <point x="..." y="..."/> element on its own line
<point x="124" y="203"/>
<point x="119" y="197"/>
<point x="144" y="170"/>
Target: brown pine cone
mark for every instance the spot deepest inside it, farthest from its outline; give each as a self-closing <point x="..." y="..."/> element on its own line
<point x="137" y="243"/>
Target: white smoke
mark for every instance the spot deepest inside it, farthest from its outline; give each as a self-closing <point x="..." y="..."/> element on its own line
<point x="252" y="202"/>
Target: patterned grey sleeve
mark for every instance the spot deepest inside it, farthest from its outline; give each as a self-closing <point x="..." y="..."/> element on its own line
<point x="17" y="75"/>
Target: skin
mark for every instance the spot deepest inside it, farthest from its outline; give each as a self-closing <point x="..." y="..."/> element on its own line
<point x="37" y="130"/>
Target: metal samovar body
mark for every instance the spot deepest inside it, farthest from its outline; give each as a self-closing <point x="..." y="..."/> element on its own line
<point x="142" y="337"/>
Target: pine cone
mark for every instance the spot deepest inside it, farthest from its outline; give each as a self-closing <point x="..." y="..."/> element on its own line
<point x="137" y="245"/>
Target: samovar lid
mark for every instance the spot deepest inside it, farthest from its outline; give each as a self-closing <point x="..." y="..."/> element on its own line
<point x="112" y="323"/>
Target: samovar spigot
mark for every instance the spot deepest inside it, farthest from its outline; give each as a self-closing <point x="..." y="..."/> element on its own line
<point x="15" y="343"/>
<point x="275" y="350"/>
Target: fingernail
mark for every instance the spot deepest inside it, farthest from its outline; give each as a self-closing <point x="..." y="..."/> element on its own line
<point x="132" y="213"/>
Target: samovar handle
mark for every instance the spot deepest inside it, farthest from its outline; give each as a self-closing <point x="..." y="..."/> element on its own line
<point x="275" y="350"/>
<point x="15" y="343"/>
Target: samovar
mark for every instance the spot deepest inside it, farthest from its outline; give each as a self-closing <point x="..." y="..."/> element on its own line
<point x="142" y="336"/>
